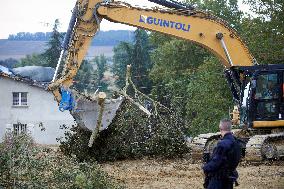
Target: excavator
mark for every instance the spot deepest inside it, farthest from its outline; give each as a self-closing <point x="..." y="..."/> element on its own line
<point x="257" y="90"/>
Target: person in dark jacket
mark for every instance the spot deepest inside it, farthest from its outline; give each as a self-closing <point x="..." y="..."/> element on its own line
<point x="220" y="170"/>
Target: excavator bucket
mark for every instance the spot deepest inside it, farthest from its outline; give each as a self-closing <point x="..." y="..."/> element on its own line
<point x="87" y="112"/>
<point x="92" y="113"/>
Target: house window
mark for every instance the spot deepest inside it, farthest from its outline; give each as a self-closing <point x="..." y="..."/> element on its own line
<point x="20" y="98"/>
<point x="20" y="128"/>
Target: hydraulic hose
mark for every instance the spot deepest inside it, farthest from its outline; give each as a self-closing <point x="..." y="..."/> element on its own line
<point x="70" y="28"/>
<point x="173" y="4"/>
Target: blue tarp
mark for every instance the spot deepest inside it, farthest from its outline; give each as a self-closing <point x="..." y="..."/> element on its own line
<point x="5" y="70"/>
<point x="67" y="101"/>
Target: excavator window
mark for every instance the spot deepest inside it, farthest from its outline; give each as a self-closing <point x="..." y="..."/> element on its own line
<point x="268" y="96"/>
<point x="267" y="87"/>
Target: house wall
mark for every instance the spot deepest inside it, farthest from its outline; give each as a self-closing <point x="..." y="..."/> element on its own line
<point x="42" y="110"/>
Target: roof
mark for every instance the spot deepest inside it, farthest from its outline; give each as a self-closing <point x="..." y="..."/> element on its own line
<point x="26" y="80"/>
<point x="5" y="70"/>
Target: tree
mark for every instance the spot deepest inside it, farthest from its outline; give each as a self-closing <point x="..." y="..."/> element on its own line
<point x="209" y="98"/>
<point x="31" y="60"/>
<point x="9" y="63"/>
<point x="174" y="63"/>
<point x="141" y="62"/>
<point x="52" y="53"/>
<point x="228" y="10"/>
<point x="265" y="31"/>
<point x="121" y="58"/>
<point x="182" y="73"/>
<point x="138" y="55"/>
<point x="86" y="78"/>
<point x="101" y="62"/>
<point x="27" y="36"/>
<point x="89" y="79"/>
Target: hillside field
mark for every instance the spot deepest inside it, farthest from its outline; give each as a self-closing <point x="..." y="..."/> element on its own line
<point x="19" y="49"/>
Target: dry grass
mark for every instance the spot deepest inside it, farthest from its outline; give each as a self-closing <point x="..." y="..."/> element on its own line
<point x="182" y="174"/>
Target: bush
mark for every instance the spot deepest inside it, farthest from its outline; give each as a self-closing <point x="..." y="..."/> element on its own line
<point x="131" y="135"/>
<point x="25" y="165"/>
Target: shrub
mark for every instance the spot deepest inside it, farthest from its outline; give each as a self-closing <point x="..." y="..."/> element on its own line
<point x="25" y="165"/>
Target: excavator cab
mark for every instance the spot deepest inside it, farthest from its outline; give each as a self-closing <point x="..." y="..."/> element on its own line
<point x="264" y="105"/>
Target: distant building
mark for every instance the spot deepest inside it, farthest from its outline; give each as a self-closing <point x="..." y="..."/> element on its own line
<point x="26" y="106"/>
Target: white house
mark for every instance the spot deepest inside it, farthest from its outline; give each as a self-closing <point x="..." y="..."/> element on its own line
<point x="26" y="106"/>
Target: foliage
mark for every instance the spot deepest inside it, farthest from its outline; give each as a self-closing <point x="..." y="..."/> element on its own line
<point x="180" y="70"/>
<point x="141" y="62"/>
<point x="209" y="98"/>
<point x="191" y="85"/>
<point x="136" y="54"/>
<point x="228" y="10"/>
<point x="24" y="165"/>
<point x="86" y="78"/>
<point x="101" y="62"/>
<point x="91" y="75"/>
<point x="172" y="71"/>
<point x="52" y="53"/>
<point x="9" y="63"/>
<point x="196" y="90"/>
<point x="103" y="38"/>
<point x="31" y="60"/>
<point x="27" y="36"/>
<point x="121" y="59"/>
<point x="264" y="32"/>
<point x="271" y="10"/>
<point x="172" y="60"/>
<point x="131" y="135"/>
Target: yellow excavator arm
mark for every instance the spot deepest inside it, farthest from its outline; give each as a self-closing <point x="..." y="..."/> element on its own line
<point x="193" y="25"/>
<point x="199" y="27"/>
<point x="196" y="26"/>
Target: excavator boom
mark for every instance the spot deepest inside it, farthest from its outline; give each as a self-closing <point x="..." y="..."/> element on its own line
<point x="199" y="27"/>
<point x="192" y="25"/>
<point x="181" y="21"/>
<point x="186" y="23"/>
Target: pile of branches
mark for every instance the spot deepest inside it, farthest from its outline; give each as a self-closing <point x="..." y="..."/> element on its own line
<point x="132" y="134"/>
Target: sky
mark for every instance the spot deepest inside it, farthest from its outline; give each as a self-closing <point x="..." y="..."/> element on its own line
<point x="39" y="15"/>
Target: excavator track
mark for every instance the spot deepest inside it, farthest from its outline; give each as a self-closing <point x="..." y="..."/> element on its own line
<point x="265" y="147"/>
<point x="203" y="144"/>
<point x="258" y="148"/>
<point x="254" y="149"/>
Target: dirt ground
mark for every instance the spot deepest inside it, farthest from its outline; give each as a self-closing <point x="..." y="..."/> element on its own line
<point x="181" y="174"/>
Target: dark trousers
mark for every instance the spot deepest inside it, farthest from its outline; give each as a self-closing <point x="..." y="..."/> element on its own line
<point x="216" y="183"/>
